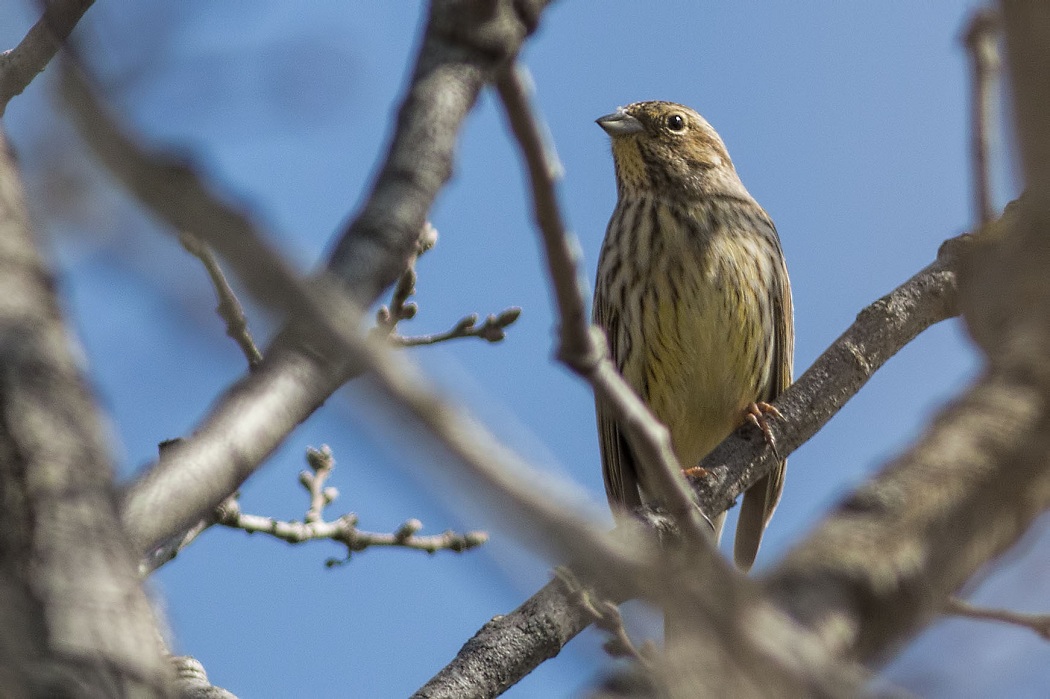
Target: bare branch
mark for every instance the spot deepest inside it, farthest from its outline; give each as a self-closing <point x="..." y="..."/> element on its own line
<point x="229" y="308"/>
<point x="387" y="317"/>
<point x="1039" y="623"/>
<point x="981" y="40"/>
<point x="344" y="529"/>
<point x="466" y="43"/>
<point x="76" y="618"/>
<point x="605" y="614"/>
<point x="192" y="681"/>
<point x="168" y="550"/>
<point x="492" y="330"/>
<point x="887" y="560"/>
<point x="883" y="564"/>
<point x="21" y="64"/>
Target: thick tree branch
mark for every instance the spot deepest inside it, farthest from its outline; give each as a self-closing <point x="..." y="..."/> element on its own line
<point x="884" y="563"/>
<point x="466" y="43"/>
<point x="76" y="621"/>
<point x="21" y="64"/>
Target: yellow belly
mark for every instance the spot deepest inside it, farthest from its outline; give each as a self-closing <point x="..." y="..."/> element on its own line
<point x="705" y="352"/>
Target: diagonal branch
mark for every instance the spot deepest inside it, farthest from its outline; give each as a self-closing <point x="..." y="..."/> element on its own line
<point x="881" y="330"/>
<point x="501" y="650"/>
<point x="465" y="43"/>
<point x="229" y="308"/>
<point x="21" y="64"/>
<point x="1038" y="623"/>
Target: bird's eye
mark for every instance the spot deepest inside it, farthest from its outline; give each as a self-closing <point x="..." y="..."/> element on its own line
<point x="676" y="122"/>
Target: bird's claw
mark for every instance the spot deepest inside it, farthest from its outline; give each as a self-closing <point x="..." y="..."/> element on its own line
<point x="758" y="414"/>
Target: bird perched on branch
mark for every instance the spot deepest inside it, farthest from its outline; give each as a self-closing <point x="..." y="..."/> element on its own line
<point x="694" y="297"/>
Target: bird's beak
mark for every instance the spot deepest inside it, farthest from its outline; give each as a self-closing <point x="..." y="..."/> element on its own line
<point x="619" y="123"/>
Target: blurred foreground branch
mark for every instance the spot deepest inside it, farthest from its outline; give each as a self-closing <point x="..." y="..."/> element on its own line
<point x="76" y="621"/>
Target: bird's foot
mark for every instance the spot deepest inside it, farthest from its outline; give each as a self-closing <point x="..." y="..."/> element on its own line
<point x="759" y="414"/>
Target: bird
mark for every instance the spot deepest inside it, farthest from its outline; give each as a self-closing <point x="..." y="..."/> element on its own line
<point x="693" y="294"/>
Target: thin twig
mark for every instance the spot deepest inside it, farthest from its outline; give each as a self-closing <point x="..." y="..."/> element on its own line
<point x="583" y="348"/>
<point x="387" y="317"/>
<point x="344" y="531"/>
<point x="229" y="308"/>
<point x="314" y="527"/>
<point x="400" y="308"/>
<point x="492" y="330"/>
<point x="1039" y="623"/>
<point x="982" y="43"/>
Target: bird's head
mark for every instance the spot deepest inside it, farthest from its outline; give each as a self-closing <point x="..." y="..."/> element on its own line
<point x="663" y="148"/>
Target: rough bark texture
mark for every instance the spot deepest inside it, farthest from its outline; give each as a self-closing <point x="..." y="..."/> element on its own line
<point x="76" y="621"/>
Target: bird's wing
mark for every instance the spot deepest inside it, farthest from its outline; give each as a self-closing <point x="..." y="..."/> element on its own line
<point x="761" y="499"/>
<point x="618" y="463"/>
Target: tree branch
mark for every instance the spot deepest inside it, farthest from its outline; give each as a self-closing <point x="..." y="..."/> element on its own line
<point x="76" y="620"/>
<point x="981" y="40"/>
<point x="342" y="530"/>
<point x="21" y="64"/>
<point x="492" y="330"/>
<point x="1039" y="623"/>
<point x="229" y="308"/>
<point x="886" y="561"/>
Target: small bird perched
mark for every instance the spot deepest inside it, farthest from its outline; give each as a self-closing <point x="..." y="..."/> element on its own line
<point x="694" y="297"/>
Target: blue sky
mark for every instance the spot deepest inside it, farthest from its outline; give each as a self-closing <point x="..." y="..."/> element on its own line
<point x="847" y="121"/>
